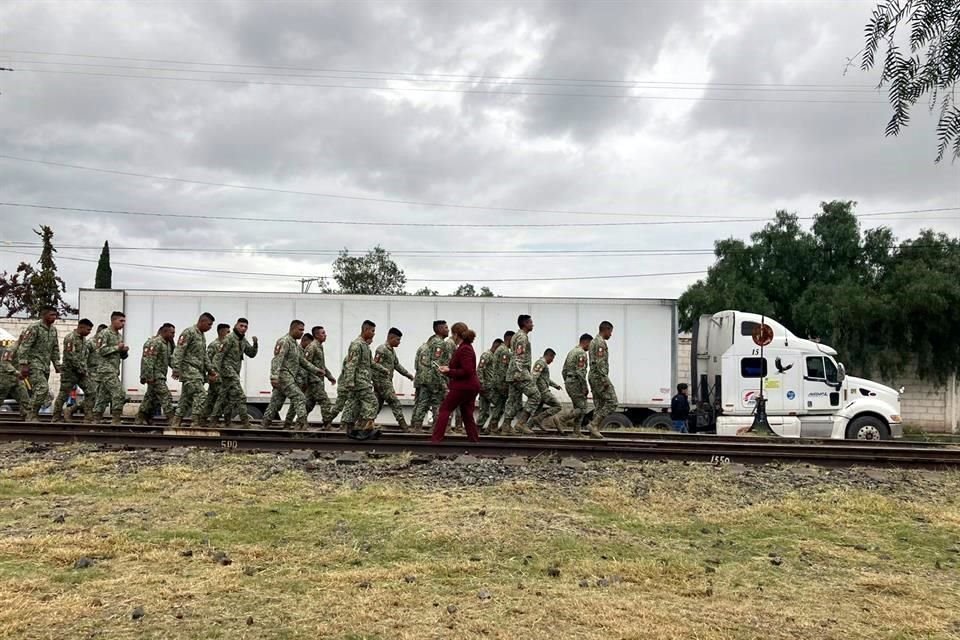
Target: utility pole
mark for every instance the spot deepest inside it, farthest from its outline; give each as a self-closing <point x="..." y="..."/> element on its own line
<point x="306" y="283"/>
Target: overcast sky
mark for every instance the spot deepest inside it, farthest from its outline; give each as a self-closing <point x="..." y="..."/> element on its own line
<point x="734" y="110"/>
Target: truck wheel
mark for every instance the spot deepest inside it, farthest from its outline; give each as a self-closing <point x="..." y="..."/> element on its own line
<point x="658" y="421"/>
<point x="616" y="421"/>
<point x="255" y="412"/>
<point x="867" y="428"/>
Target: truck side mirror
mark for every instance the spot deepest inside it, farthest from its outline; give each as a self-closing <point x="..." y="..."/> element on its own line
<point x="841" y="372"/>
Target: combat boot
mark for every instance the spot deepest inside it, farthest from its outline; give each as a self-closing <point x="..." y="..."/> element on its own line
<point x="595" y="431"/>
<point x="98" y="417"/>
<point x="301" y="423"/>
<point x="245" y="421"/>
<point x="117" y="420"/>
<point x="522" y="424"/>
<point x="403" y="426"/>
<point x="68" y="413"/>
<point x="31" y="416"/>
<point x="199" y="422"/>
<point x="140" y="419"/>
<point x="88" y="417"/>
<point x="175" y="422"/>
<point x="327" y="425"/>
<point x="55" y="418"/>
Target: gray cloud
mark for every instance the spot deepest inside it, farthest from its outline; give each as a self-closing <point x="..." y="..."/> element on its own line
<point x="550" y="152"/>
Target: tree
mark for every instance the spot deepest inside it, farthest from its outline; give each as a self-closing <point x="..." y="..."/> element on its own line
<point x="29" y="290"/>
<point x="469" y="290"/>
<point x="372" y="274"/>
<point x="426" y="291"/>
<point x="930" y="68"/>
<point x="885" y="307"/>
<point x="104" y="279"/>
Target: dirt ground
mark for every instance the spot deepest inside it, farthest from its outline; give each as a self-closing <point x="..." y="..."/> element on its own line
<point x="199" y="544"/>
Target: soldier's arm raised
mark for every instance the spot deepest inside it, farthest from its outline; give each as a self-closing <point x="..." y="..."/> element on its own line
<point x="250" y="350"/>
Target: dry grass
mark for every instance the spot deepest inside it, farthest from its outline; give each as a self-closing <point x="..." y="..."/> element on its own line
<point x="689" y="556"/>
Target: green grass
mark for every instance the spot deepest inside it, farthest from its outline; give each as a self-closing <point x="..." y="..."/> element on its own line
<point x="692" y="556"/>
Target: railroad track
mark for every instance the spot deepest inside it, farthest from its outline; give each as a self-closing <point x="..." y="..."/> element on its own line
<point x="678" y="447"/>
<point x="314" y="428"/>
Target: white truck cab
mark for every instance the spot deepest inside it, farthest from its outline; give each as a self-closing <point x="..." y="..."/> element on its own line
<point x="807" y="392"/>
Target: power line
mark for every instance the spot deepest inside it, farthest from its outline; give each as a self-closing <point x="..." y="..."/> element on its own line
<point x="493" y="83"/>
<point x="618" y="276"/>
<point x="422" y="74"/>
<point x="419" y="203"/>
<point x="497" y="93"/>
<point x="449" y="225"/>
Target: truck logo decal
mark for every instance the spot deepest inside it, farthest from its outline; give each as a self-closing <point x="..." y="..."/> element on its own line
<point x="791" y="395"/>
<point x="817" y="394"/>
<point x="750" y="398"/>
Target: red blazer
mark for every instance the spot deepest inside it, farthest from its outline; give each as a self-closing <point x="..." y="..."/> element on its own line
<point x="463" y="369"/>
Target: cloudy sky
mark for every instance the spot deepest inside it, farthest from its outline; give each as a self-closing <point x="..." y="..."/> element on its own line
<point x="643" y="129"/>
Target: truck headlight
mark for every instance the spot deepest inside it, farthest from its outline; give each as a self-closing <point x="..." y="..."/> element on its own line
<point x="896" y="419"/>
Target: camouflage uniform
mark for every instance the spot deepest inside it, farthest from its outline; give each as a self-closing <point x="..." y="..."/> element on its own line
<point x="432" y="384"/>
<point x="39" y="347"/>
<point x="385" y="362"/>
<point x="93" y="375"/>
<point x="227" y="363"/>
<point x="604" y="395"/>
<point x="317" y="387"/>
<point x="213" y="401"/>
<point x="356" y="383"/>
<point x="109" y="390"/>
<point x="302" y="380"/>
<point x="154" y="363"/>
<point x="10" y="383"/>
<point x="287" y="360"/>
<point x="575" y="382"/>
<point x="486" y="367"/>
<point x="498" y="391"/>
<point x="74" y="371"/>
<point x="521" y="384"/>
<point x="549" y="405"/>
<point x="191" y="364"/>
<point x="451" y="348"/>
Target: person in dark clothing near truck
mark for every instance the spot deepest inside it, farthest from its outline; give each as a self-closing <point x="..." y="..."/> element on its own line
<point x="680" y="409"/>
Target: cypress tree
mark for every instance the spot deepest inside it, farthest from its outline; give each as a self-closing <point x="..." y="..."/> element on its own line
<point x="104" y="279"/>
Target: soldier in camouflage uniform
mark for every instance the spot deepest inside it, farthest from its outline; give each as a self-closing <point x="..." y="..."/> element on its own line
<point x="287" y="360"/>
<point x="304" y="379"/>
<point x="499" y="391"/>
<point x="11" y="386"/>
<point x="228" y="362"/>
<point x="74" y="371"/>
<point x="575" y="382"/>
<point x="385" y="362"/>
<point x="486" y="368"/>
<point x="112" y="351"/>
<point x="93" y="381"/>
<point x="356" y="383"/>
<point x="192" y="368"/>
<point x="154" y="363"/>
<point x="432" y="385"/>
<point x="549" y="405"/>
<point x="604" y="395"/>
<point x="39" y="348"/>
<point x="317" y="389"/>
<point x="213" y="402"/>
<point x="520" y="381"/>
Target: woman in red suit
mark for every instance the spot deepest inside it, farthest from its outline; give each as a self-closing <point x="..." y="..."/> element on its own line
<point x="464" y="388"/>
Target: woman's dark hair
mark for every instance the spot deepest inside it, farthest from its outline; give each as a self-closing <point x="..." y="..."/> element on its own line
<point x="468" y="336"/>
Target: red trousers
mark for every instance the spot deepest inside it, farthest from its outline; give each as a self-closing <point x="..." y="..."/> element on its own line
<point x="465" y="401"/>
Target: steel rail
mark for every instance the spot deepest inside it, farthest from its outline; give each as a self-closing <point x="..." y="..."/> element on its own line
<point x="314" y="428"/>
<point x="745" y="451"/>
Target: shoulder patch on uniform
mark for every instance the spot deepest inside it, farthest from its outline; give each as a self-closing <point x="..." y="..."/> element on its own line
<point x="520" y="349"/>
<point x="581" y="363"/>
<point x="438" y="352"/>
<point x="600" y="352"/>
<point x="183" y="340"/>
<point x="278" y="347"/>
<point x="376" y="358"/>
<point x="68" y="347"/>
<point x="538" y="367"/>
<point x="147" y="350"/>
<point x="99" y="342"/>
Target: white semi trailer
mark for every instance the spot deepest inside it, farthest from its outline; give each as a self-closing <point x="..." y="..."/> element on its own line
<point x="643" y="352"/>
<point x="807" y="392"/>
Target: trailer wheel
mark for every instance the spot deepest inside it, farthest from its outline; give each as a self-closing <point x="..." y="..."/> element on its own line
<point x="658" y="421"/>
<point x="617" y="421"/>
<point x="255" y="412"/>
<point x="867" y="428"/>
